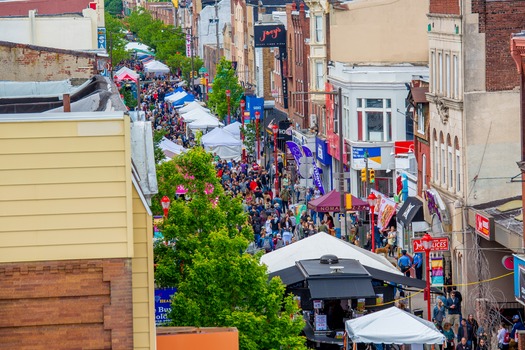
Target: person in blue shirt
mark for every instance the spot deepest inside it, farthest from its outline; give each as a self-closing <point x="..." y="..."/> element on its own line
<point x="404" y="263"/>
<point x="517" y="326"/>
<point x="418" y="265"/>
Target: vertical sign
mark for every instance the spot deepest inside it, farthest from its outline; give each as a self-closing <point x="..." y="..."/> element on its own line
<point x="101" y="35"/>
<point x="163" y="304"/>
<point x="483" y="226"/>
<point x="188" y="45"/>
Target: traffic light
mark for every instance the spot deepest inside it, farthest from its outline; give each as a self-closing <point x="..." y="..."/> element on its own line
<point x="363" y="175"/>
<point x="203" y="81"/>
<point x="372" y="176"/>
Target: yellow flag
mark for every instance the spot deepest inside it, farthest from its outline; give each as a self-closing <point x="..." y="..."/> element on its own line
<point x="348" y="204"/>
<point x="175" y="3"/>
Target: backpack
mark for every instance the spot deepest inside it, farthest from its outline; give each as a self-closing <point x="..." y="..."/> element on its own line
<point x="266" y="245"/>
<point x="506" y="339"/>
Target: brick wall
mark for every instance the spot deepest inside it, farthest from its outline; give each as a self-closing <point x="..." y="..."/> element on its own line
<point x="449" y="7"/>
<point x="21" y="62"/>
<point x="498" y="20"/>
<point x="73" y="304"/>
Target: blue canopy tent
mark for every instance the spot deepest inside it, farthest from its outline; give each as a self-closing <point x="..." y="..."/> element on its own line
<point x="187" y="98"/>
<point x="179" y="89"/>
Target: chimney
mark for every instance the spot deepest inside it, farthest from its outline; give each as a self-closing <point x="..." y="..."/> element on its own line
<point x="67" y="103"/>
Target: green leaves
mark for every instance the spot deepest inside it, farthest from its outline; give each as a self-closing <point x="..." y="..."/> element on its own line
<point x="226" y="79"/>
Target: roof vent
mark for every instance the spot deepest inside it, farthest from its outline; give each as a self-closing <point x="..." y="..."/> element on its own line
<point x="329" y="259"/>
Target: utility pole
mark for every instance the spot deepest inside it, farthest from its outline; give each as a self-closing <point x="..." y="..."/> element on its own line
<point x="342" y="208"/>
<point x="217" y="34"/>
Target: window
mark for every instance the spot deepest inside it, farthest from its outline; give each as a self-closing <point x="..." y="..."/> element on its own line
<point x="433" y="70"/>
<point x="435" y="156"/>
<point x="450" y="167"/>
<point x="440" y="72"/>
<point x="424" y="170"/>
<point x="447" y="75"/>
<point x="443" y="161"/>
<point x="458" y="166"/>
<point x="319" y="29"/>
<point x="346" y="114"/>
<point x="456" y="77"/>
<point x="319" y="76"/>
<point x="420" y="111"/>
<point x="374" y="119"/>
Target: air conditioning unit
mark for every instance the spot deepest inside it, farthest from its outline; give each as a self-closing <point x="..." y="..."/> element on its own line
<point x="313" y="120"/>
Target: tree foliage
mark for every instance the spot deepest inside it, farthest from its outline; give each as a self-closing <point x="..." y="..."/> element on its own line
<point x="114" y="7"/>
<point x="217" y="283"/>
<point x="115" y="32"/>
<point x="226" y="79"/>
<point x="250" y="133"/>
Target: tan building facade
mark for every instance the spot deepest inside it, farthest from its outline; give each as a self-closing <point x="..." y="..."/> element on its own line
<point x="76" y="251"/>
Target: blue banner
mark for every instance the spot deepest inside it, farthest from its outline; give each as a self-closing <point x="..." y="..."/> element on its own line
<point x="316" y="175"/>
<point x="163" y="305"/>
<point x="322" y="152"/>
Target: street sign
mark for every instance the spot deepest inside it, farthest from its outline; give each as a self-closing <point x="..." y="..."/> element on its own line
<point x="439" y="244"/>
<point x="202" y="70"/>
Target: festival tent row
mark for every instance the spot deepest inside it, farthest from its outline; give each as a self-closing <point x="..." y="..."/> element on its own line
<point x="170" y="148"/>
<point x="191" y="106"/>
<point x="234" y="129"/>
<point x="224" y="144"/>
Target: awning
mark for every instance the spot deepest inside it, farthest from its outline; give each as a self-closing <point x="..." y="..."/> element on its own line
<point x="290" y="275"/>
<point x="409" y="209"/>
<point x="394" y="278"/>
<point x="418" y="94"/>
<point x="341" y="288"/>
<point x="331" y="202"/>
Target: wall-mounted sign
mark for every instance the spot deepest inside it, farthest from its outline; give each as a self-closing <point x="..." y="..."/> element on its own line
<point x="269" y="35"/>
<point x="485" y="226"/>
<point x="439" y="244"/>
<point x="519" y="278"/>
<point x="371" y="154"/>
<point x="163" y="304"/>
<point x="101" y="33"/>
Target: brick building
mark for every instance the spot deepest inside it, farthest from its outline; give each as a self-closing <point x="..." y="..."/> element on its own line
<point x="474" y="139"/>
<point x="298" y="36"/>
<point x="22" y="62"/>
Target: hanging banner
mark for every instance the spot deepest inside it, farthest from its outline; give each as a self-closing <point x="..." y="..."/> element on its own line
<point x="385" y="209"/>
<point x="437" y="279"/>
<point x="163" y="304"/>
<point x="316" y="175"/>
<point x="296" y="151"/>
<point x="188" y="45"/>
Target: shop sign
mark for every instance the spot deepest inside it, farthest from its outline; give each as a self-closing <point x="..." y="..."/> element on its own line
<point x="439" y="244"/>
<point x="163" y="304"/>
<point x="322" y="152"/>
<point x="519" y="278"/>
<point x="269" y="35"/>
<point x="372" y="154"/>
<point x="484" y="226"/>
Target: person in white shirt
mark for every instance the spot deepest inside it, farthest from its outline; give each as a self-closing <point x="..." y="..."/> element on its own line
<point x="502" y="342"/>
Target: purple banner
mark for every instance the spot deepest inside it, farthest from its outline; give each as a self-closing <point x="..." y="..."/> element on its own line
<point x="296" y="152"/>
<point x="317" y="177"/>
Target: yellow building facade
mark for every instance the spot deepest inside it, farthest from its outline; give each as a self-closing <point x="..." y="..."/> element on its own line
<point x="76" y="234"/>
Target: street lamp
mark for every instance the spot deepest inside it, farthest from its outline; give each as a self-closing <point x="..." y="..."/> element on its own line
<point x="242" y="103"/>
<point x="372" y="202"/>
<point x="228" y="94"/>
<point x="165" y="202"/>
<point x="426" y="242"/>
<point x="275" y="129"/>
<point x="258" y="134"/>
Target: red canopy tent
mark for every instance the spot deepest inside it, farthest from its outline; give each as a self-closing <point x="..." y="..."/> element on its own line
<point x="331" y="201"/>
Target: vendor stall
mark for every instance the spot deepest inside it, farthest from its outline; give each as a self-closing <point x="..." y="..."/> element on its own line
<point x="392" y="326"/>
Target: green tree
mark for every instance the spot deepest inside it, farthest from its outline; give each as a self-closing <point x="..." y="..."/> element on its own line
<point x="114" y="7"/>
<point x="116" y="39"/>
<point x="249" y="131"/>
<point x="158" y="153"/>
<point x="191" y="221"/>
<point x="226" y="79"/>
<point x="224" y="288"/>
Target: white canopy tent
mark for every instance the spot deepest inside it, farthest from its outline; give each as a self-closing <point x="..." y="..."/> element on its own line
<point x="205" y="123"/>
<point x="170" y="148"/>
<point x="175" y="96"/>
<point x="156" y="67"/>
<point x="133" y="45"/>
<point x="196" y="114"/>
<point x="223" y="143"/>
<point x="126" y="70"/>
<point x="315" y="246"/>
<point x="191" y="106"/>
<point x="393" y="326"/>
<point x="234" y="129"/>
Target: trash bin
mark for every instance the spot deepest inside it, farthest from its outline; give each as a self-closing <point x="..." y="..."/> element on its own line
<point x="418" y="312"/>
<point x="338" y="232"/>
